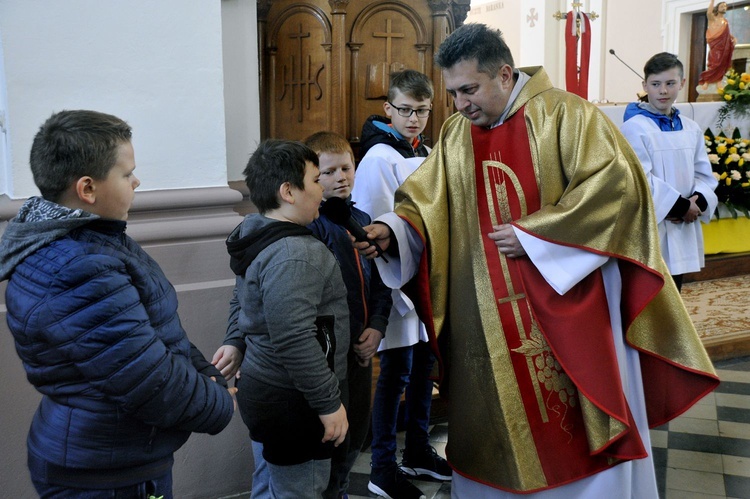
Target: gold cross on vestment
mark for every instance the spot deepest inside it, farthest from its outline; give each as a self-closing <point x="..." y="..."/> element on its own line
<point x="511" y="298"/>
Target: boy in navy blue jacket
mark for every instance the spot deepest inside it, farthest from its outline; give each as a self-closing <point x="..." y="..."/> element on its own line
<point x="95" y="324"/>
<point x="368" y="298"/>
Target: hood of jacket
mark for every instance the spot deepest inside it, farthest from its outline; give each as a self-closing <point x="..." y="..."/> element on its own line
<point x="665" y="123"/>
<point x="38" y="223"/>
<point x="378" y="130"/>
<point x="253" y="235"/>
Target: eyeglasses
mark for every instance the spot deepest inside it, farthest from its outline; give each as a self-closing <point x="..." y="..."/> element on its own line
<point x="406" y="112"/>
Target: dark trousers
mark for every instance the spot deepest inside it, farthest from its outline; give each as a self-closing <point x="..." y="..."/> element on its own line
<point x="358" y="393"/>
<point x="406" y="368"/>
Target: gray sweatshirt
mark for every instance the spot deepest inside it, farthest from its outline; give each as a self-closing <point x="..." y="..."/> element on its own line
<point x="289" y="306"/>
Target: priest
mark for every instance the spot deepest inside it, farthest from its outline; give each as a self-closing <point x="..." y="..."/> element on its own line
<point x="528" y="241"/>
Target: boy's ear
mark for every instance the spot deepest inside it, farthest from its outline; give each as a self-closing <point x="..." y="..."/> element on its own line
<point x="285" y="193"/>
<point x="85" y="190"/>
<point x="387" y="108"/>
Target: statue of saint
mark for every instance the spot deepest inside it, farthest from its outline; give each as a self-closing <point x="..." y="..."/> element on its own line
<point x="720" y="45"/>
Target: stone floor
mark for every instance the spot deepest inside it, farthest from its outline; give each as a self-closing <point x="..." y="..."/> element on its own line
<point x="703" y="454"/>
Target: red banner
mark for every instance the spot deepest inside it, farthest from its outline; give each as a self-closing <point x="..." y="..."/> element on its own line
<point x="577" y="70"/>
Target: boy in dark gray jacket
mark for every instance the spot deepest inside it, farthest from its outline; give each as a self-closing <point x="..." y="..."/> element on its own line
<point x="289" y="316"/>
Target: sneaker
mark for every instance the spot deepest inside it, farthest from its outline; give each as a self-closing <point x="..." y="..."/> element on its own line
<point x="391" y="483"/>
<point x="426" y="464"/>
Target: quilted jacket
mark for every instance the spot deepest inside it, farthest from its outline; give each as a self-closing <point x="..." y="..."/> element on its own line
<point x="95" y="324"/>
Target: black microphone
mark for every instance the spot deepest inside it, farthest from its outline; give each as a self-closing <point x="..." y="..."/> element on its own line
<point x="612" y="51"/>
<point x="339" y="212"/>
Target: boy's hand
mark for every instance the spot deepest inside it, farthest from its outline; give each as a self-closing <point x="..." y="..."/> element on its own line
<point x="335" y="426"/>
<point x="233" y="392"/>
<point x="380" y="234"/>
<point x="693" y="212"/>
<point x="367" y="345"/>
<point x="227" y="359"/>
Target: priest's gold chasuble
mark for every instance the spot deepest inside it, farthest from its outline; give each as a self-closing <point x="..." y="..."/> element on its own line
<point x="531" y="376"/>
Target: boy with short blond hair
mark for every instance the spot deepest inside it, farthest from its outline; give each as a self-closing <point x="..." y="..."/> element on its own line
<point x="288" y="326"/>
<point x="393" y="148"/>
<point x="95" y="324"/>
<point x="368" y="298"/>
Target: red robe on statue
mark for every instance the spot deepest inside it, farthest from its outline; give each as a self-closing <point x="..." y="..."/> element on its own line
<point x="720" y="50"/>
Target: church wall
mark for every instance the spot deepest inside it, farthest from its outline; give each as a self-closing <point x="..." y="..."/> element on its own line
<point x="160" y="72"/>
<point x="169" y="69"/>
<point x="636" y="30"/>
<point x="241" y="88"/>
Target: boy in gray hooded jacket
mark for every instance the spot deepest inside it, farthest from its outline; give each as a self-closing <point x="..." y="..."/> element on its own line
<point x="290" y="318"/>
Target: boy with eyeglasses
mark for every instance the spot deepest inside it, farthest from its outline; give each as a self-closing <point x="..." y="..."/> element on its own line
<point x="393" y="148"/>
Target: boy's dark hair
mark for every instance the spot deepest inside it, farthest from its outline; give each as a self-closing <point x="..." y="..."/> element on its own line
<point x="329" y="142"/>
<point x="663" y="61"/>
<point x="716" y="7"/>
<point x="273" y="163"/>
<point x="74" y="144"/>
<point x="412" y="84"/>
<point x="478" y="42"/>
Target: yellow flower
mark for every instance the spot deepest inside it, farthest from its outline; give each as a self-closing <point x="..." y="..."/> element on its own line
<point x="720" y="91"/>
<point x="721" y="149"/>
<point x="745" y="184"/>
<point x="732" y="150"/>
<point x="723" y="176"/>
<point x="741" y="161"/>
<point x="730" y="82"/>
<point x="745" y="77"/>
<point x="727" y="97"/>
<point x="742" y="86"/>
<point x="728" y="180"/>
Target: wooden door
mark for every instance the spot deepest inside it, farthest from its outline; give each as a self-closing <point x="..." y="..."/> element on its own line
<point x="325" y="64"/>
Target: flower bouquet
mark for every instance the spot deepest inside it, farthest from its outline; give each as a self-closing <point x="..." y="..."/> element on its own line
<point x="736" y="94"/>
<point x="730" y="162"/>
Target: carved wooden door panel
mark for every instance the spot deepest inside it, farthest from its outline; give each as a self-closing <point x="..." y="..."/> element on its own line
<point x="298" y="79"/>
<point x="385" y="37"/>
<point x="325" y="64"/>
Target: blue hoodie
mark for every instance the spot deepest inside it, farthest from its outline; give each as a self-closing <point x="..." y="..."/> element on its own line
<point x="665" y="123"/>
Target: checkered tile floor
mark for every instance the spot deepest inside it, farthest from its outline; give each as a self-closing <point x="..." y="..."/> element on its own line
<point x="704" y="454"/>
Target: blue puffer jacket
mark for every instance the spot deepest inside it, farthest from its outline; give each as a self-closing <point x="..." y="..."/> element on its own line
<point x="95" y="323"/>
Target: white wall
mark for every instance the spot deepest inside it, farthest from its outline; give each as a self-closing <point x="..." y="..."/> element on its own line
<point x="157" y="65"/>
<point x="4" y="146"/>
<point x="503" y="15"/>
<point x="241" y="90"/>
<point x="634" y="29"/>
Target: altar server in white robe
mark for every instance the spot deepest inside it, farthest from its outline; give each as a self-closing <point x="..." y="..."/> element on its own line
<point x="672" y="150"/>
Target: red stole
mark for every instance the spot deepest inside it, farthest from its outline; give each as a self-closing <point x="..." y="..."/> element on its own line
<point x="561" y="346"/>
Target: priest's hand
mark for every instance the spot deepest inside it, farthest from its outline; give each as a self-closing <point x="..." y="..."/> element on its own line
<point x="506" y="241"/>
<point x="380" y="234"/>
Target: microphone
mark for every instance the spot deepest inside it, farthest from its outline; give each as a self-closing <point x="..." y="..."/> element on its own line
<point x="339" y="212"/>
<point x="612" y="51"/>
